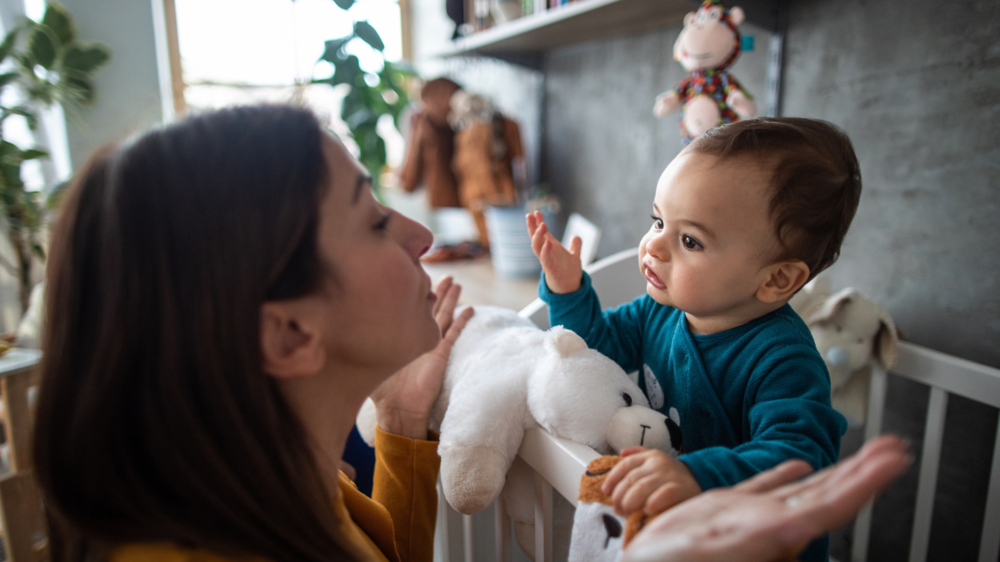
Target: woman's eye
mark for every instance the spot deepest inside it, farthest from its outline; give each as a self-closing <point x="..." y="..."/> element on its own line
<point x="690" y="243"/>
<point x="383" y="221"/>
<point x="657" y="222"/>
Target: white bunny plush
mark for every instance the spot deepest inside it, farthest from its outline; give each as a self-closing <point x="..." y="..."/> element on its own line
<point x="505" y="376"/>
<point x="850" y="330"/>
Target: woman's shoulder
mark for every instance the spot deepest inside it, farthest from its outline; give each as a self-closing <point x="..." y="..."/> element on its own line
<point x="165" y="552"/>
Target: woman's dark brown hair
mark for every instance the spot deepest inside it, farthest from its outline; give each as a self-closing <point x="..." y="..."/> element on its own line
<point x="155" y="421"/>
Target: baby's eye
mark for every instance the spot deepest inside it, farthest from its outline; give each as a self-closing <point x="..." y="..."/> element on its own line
<point x="628" y="398"/>
<point x="657" y="222"/>
<point x="691" y="243"/>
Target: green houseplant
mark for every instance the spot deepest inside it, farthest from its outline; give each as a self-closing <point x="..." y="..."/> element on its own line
<point x="46" y="64"/>
<point x="370" y="95"/>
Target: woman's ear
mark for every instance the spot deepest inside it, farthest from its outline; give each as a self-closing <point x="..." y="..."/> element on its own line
<point x="783" y="279"/>
<point x="289" y="343"/>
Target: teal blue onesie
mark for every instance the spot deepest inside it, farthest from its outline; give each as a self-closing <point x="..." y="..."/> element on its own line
<point x="746" y="399"/>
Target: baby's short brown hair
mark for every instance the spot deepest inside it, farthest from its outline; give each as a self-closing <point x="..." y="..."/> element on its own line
<point x="815" y="184"/>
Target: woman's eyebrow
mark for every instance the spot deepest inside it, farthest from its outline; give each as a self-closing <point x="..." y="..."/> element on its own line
<point x="361" y="181"/>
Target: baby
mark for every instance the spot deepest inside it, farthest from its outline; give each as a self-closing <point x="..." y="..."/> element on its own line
<point x="742" y="219"/>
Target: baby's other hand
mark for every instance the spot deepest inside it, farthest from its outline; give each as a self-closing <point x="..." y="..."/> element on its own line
<point x="650" y="480"/>
<point x="563" y="268"/>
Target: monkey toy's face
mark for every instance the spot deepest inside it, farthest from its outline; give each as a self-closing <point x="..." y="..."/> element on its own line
<point x="706" y="41"/>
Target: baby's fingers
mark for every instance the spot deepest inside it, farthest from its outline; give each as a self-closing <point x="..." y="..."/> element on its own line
<point x="575" y="245"/>
<point x="618" y="473"/>
<point x="634" y="497"/>
<point x="663" y="498"/>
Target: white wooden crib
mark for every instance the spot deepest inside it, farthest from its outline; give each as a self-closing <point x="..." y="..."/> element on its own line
<point x="559" y="464"/>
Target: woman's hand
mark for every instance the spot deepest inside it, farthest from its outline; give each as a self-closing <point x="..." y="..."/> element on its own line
<point x="403" y="402"/>
<point x="771" y="516"/>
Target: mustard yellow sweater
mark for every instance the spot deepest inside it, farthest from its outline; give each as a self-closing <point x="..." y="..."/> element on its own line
<point x="396" y="525"/>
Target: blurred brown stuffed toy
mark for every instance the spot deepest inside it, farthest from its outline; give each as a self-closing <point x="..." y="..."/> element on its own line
<point x="431" y="146"/>
<point x="486" y="146"/>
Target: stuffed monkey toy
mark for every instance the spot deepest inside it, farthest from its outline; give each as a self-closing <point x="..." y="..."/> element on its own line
<point x="486" y="146"/>
<point x="707" y="46"/>
<point x="431" y="146"/>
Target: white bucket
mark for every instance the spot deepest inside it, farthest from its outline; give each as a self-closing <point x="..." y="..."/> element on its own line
<point x="510" y="245"/>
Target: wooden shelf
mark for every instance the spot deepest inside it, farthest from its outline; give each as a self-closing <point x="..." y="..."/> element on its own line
<point x="584" y="20"/>
<point x="525" y="39"/>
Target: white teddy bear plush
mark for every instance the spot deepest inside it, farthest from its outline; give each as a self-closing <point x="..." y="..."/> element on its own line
<point x="506" y="376"/>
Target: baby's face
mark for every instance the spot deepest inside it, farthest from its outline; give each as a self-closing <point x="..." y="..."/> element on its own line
<point x="710" y="240"/>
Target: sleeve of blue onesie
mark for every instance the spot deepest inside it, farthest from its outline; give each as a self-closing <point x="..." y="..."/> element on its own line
<point x="787" y="405"/>
<point x="616" y="332"/>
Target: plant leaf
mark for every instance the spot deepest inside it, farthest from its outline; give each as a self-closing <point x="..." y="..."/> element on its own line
<point x="7" y="78"/>
<point x="57" y="19"/>
<point x="41" y="47"/>
<point x="344" y="4"/>
<point x="367" y="33"/>
<point x="85" y="58"/>
<point x="28" y="115"/>
<point x="37" y="249"/>
<point x="346" y="71"/>
<point x="8" y="42"/>
<point x="331" y="49"/>
<point x="33" y="154"/>
<point x="79" y="88"/>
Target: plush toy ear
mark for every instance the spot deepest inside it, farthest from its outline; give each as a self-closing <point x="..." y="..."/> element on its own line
<point x="564" y="342"/>
<point x="736" y="15"/>
<point x="689" y="19"/>
<point x="886" y="340"/>
<point x="831" y="306"/>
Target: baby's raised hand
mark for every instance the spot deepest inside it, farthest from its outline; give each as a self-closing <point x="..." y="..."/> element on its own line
<point x="563" y="268"/>
<point x="650" y="480"/>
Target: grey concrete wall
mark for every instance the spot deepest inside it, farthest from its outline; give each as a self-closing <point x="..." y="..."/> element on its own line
<point x="916" y="84"/>
<point x="603" y="149"/>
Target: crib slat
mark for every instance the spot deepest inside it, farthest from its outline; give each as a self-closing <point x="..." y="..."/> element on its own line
<point x="543" y="519"/>
<point x="442" y="547"/>
<point x="470" y="539"/>
<point x="929" y="461"/>
<point x="876" y="407"/>
<point x="502" y="529"/>
<point x="989" y="545"/>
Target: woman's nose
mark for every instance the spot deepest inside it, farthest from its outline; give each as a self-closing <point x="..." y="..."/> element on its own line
<point x="416" y="238"/>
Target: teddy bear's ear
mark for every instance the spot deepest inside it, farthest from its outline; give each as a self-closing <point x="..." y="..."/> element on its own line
<point x="564" y="342"/>
<point x="886" y="340"/>
<point x="831" y="306"/>
<point x="736" y="15"/>
<point x="689" y="19"/>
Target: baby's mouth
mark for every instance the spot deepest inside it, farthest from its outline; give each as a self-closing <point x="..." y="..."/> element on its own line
<point x="653" y="279"/>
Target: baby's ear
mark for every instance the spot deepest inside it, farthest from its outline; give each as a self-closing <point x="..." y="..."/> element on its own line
<point x="783" y="279"/>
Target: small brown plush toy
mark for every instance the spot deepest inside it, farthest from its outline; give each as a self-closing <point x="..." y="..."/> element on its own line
<point x="431" y="146"/>
<point x="600" y="534"/>
<point x="486" y="145"/>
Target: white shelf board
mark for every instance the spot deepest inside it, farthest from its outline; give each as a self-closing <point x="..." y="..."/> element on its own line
<point x="584" y="20"/>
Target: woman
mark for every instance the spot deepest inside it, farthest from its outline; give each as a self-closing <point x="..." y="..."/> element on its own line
<point x="223" y="294"/>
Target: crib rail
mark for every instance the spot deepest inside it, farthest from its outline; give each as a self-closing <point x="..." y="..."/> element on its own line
<point x="945" y="375"/>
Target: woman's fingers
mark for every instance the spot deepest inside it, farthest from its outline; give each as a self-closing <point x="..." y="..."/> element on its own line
<point x="447" y="310"/>
<point x="440" y="291"/>
<point x="784" y="473"/>
<point x="455" y="330"/>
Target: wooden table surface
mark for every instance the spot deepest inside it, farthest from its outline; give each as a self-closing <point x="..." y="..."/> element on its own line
<point x="481" y="285"/>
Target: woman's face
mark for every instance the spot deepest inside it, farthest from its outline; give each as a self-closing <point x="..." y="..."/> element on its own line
<point x="378" y="298"/>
